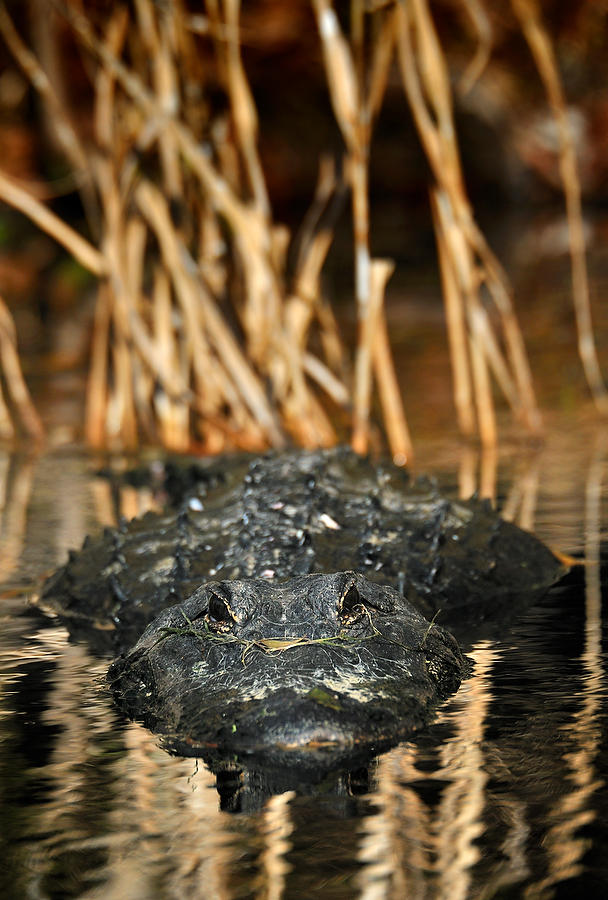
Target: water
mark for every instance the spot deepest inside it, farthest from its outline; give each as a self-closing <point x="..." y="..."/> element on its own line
<point x="503" y="796"/>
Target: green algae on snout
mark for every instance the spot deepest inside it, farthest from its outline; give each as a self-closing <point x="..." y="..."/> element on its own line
<point x="324" y="698"/>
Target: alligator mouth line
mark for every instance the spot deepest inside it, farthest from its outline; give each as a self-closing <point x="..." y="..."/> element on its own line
<point x="278" y="646"/>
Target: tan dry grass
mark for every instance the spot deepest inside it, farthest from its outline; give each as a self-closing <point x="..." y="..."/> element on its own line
<point x="168" y="362"/>
<point x="467" y="263"/>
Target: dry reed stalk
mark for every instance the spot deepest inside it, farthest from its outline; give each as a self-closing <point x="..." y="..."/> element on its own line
<point x="325" y="190"/>
<point x="191" y="294"/>
<point x="130" y="373"/>
<point x="64" y="130"/>
<point x="354" y="106"/>
<point x="464" y="276"/>
<point x="262" y="308"/>
<point x="487" y="473"/>
<point x="13" y="377"/>
<point x="244" y="114"/>
<point x="333" y="349"/>
<point x="538" y="40"/>
<point x="486" y="417"/>
<point x="73" y="242"/>
<point x="456" y="328"/>
<point x="370" y="345"/>
<point x="122" y="419"/>
<point x="497" y="283"/>
<point x="467" y="471"/>
<point x="382" y="50"/>
<point x="120" y="425"/>
<point x="485" y="337"/>
<point x="7" y="429"/>
<point x="206" y="375"/>
<point x="145" y="363"/>
<point x="172" y="414"/>
<point x="397" y="430"/>
<point x="158" y="41"/>
<point x="307" y="304"/>
<point x="482" y="27"/>
<point x="97" y="381"/>
<point x="212" y="253"/>
<point x="465" y="258"/>
<point x="345" y="94"/>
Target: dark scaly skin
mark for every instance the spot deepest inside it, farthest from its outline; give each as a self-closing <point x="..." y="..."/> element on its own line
<point x="276" y="517"/>
<point x="328" y="555"/>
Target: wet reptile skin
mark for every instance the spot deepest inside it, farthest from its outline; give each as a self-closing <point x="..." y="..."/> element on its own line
<point x="290" y="589"/>
<point x="297" y="513"/>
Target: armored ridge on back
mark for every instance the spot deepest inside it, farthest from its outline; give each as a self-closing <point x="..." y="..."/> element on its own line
<point x="298" y="513"/>
<point x="247" y="536"/>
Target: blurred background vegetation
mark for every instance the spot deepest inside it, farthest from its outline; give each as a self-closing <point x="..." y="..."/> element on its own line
<point x="205" y="203"/>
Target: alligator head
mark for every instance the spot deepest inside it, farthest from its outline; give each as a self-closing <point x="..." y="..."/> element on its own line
<point x="313" y="662"/>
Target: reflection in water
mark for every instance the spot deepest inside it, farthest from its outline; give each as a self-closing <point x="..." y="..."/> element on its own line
<point x="523" y="494"/>
<point x="458" y="823"/>
<point x="276" y="827"/>
<point x="564" y="845"/>
<point x="427" y="848"/>
<point x="477" y="472"/>
<point x="502" y="793"/>
<point x="16" y="473"/>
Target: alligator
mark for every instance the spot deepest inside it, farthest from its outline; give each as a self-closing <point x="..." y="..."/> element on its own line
<point x="284" y="601"/>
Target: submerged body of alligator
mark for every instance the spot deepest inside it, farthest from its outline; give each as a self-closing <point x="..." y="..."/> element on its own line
<point x="296" y="584"/>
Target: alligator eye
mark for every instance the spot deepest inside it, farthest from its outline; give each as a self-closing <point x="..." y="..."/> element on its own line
<point x="219" y="615"/>
<point x="350" y="605"/>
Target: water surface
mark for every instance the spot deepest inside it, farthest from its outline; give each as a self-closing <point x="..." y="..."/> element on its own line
<point x="503" y="796"/>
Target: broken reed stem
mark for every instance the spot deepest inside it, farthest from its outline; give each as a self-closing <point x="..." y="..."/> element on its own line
<point x="540" y="46"/>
